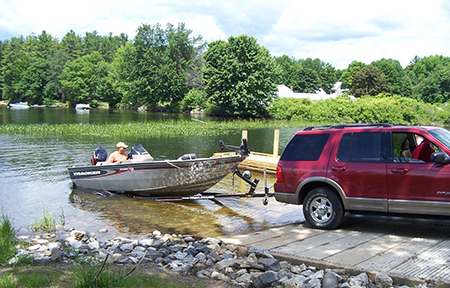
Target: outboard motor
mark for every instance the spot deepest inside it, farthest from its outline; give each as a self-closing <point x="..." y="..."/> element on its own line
<point x="139" y="154"/>
<point x="100" y="155"/>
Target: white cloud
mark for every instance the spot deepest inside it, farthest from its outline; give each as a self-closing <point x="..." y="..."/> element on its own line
<point x="336" y="32"/>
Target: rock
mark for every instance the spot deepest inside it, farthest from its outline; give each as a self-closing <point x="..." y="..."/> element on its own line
<point x="225" y="263"/>
<point x="251" y="265"/>
<point x="158" y="243"/>
<point x="331" y="280"/>
<point x="265" y="280"/>
<point x="127" y="247"/>
<point x="383" y="280"/>
<point x="214" y="256"/>
<point x="219" y="276"/>
<point x="93" y="245"/>
<point x="360" y="280"/>
<point x="146" y="242"/>
<point x="103" y="231"/>
<point x="260" y="252"/>
<point x="290" y="283"/>
<point x="270" y="264"/>
<point x="55" y="254"/>
<point x="77" y="234"/>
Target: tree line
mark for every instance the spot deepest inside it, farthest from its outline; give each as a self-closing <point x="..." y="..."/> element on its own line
<point x="169" y="69"/>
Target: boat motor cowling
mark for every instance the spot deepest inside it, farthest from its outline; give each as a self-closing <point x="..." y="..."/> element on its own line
<point x="100" y="155"/>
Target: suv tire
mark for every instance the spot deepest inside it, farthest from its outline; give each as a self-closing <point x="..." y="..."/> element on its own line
<point x="323" y="209"/>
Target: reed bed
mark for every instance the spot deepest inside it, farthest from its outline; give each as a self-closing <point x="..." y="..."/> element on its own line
<point x="168" y="128"/>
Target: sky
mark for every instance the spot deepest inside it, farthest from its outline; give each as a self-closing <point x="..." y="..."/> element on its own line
<point x="336" y="32"/>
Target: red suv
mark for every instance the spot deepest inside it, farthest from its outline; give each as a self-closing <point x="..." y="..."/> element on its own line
<point x="365" y="169"/>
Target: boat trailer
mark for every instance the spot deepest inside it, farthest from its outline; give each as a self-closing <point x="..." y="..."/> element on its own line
<point x="246" y="176"/>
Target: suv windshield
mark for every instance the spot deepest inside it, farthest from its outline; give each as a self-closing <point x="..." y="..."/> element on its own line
<point x="443" y="135"/>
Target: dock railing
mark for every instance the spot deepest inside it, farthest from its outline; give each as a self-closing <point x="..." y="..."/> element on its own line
<point x="258" y="161"/>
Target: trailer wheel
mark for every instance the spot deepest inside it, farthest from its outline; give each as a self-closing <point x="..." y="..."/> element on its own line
<point x="323" y="209"/>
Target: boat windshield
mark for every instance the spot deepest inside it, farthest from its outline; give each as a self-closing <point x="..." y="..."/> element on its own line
<point x="443" y="135"/>
<point x="138" y="149"/>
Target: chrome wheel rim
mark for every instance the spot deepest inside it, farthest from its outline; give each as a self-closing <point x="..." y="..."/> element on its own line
<point x="321" y="209"/>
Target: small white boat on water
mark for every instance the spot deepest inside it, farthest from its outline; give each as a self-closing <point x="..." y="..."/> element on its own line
<point x="18" y="106"/>
<point x="82" y="107"/>
<point x="143" y="176"/>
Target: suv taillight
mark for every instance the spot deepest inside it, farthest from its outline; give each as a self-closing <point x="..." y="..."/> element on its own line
<point x="279" y="174"/>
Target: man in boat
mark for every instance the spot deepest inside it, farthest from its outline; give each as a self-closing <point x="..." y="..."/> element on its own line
<point x="118" y="156"/>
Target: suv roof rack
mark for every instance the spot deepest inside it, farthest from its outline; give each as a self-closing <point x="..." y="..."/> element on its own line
<point x="341" y="126"/>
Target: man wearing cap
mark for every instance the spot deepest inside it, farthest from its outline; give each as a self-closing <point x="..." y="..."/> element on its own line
<point x="118" y="156"/>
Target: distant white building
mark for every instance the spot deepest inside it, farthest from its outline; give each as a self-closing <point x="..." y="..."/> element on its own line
<point x="286" y="92"/>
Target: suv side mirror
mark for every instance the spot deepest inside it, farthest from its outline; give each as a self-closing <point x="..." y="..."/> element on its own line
<point x="440" y="158"/>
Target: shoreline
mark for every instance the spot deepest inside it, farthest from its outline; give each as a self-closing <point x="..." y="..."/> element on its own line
<point x="204" y="258"/>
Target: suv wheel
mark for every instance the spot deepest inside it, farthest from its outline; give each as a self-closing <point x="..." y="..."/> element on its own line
<point x="323" y="209"/>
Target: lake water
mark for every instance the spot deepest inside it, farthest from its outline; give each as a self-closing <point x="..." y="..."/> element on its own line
<point x="34" y="179"/>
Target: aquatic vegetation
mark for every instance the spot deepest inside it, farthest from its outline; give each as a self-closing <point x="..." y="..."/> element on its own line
<point x="167" y="128"/>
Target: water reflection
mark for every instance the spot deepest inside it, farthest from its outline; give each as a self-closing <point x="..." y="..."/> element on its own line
<point x="201" y="218"/>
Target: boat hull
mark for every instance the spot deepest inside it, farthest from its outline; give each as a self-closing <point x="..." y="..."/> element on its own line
<point x="157" y="178"/>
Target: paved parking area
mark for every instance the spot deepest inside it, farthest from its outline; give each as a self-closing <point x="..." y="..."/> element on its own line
<point x="406" y="250"/>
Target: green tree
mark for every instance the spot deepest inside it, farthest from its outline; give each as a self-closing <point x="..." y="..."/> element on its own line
<point x="159" y="60"/>
<point x="369" y="81"/>
<point x="326" y="73"/>
<point x="81" y="79"/>
<point x="53" y="88"/>
<point x="240" y="77"/>
<point x="349" y="73"/>
<point x="289" y="70"/>
<point x="32" y="82"/>
<point x="395" y="76"/>
<point x="14" y="63"/>
<point x="308" y="81"/>
<point x="72" y="45"/>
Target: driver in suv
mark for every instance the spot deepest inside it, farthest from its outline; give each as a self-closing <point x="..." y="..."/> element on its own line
<point x="349" y="169"/>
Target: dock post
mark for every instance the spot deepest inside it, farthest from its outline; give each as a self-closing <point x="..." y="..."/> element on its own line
<point x="276" y="142"/>
<point x="244" y="134"/>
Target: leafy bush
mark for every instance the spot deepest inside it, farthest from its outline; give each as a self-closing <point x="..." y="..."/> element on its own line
<point x="7" y="240"/>
<point x="367" y="109"/>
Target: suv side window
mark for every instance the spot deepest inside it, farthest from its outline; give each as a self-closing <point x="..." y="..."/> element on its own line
<point x="305" y="147"/>
<point x="361" y="147"/>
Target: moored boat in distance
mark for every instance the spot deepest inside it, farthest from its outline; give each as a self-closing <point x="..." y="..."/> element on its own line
<point x="143" y="176"/>
<point x="82" y="107"/>
<point x="18" y="106"/>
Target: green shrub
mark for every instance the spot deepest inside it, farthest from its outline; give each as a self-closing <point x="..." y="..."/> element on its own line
<point x="7" y="240"/>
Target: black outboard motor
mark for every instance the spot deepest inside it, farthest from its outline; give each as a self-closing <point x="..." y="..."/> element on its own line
<point x="100" y="155"/>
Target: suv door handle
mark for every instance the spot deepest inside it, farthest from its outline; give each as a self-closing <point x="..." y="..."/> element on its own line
<point x="400" y="170"/>
<point x="338" y="168"/>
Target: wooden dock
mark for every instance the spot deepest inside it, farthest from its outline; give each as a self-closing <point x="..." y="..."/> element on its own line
<point x="256" y="161"/>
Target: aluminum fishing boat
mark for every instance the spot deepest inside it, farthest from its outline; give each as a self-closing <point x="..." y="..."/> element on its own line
<point x="143" y="176"/>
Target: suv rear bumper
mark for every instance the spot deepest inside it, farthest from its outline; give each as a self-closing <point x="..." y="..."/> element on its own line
<point x="290" y="198"/>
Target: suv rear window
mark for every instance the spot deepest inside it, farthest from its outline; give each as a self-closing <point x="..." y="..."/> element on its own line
<point x="361" y="147"/>
<point x="305" y="147"/>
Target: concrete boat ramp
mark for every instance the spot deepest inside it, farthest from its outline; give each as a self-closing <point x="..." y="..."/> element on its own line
<point x="413" y="252"/>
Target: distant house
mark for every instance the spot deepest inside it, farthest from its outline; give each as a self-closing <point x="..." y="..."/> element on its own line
<point x="286" y="92"/>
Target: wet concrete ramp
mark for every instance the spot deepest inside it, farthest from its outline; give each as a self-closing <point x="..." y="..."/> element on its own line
<point x="407" y="250"/>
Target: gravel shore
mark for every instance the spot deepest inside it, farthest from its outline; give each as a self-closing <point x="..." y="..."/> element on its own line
<point x="207" y="258"/>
